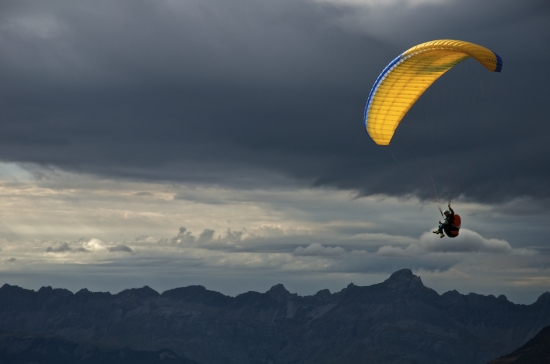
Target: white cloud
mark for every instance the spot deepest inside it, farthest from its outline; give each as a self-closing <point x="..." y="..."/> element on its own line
<point x="391" y="251"/>
<point x="316" y="249"/>
<point x="467" y="242"/>
<point x="94" y="245"/>
<point x="383" y="238"/>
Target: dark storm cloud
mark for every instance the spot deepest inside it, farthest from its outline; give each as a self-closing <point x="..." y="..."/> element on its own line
<point x="235" y="93"/>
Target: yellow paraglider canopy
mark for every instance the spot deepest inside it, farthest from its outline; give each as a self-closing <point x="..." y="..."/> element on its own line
<point x="406" y="78"/>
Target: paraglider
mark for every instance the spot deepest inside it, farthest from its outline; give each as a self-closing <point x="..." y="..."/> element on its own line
<point x="404" y="80"/>
<point x="451" y="224"/>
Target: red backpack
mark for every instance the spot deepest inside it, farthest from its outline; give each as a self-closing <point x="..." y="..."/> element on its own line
<point x="452" y="232"/>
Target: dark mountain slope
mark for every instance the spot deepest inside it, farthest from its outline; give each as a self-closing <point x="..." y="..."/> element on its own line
<point x="535" y="351"/>
<point x="21" y="348"/>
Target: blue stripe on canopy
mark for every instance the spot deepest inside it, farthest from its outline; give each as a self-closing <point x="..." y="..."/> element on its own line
<point x="375" y="86"/>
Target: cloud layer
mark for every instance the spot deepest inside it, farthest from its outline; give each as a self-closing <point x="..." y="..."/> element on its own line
<point x="253" y="93"/>
<point x="261" y="255"/>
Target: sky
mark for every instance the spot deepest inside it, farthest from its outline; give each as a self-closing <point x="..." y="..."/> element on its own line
<point x="204" y="142"/>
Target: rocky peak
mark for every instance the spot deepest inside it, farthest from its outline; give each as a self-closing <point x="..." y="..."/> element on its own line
<point x="145" y="292"/>
<point x="404" y="279"/>
<point x="197" y="294"/>
<point x="323" y="294"/>
<point x="502" y="298"/>
<point x="543" y="299"/>
<point x="49" y="292"/>
<point x="189" y="293"/>
<point x="45" y="290"/>
<point x="278" y="292"/>
<point x="86" y="294"/>
<point x="7" y="288"/>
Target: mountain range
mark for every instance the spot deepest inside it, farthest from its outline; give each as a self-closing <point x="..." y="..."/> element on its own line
<point x="398" y="321"/>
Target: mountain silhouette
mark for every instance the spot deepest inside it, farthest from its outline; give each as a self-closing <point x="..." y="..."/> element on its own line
<point x="396" y="321"/>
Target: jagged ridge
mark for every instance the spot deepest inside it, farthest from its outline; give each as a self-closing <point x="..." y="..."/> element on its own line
<point x="399" y="321"/>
